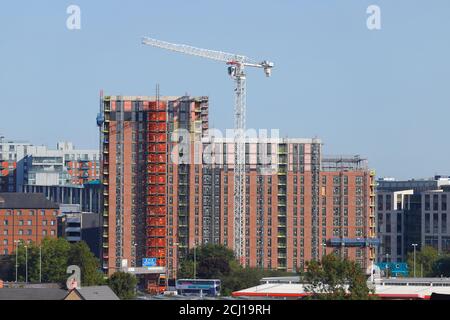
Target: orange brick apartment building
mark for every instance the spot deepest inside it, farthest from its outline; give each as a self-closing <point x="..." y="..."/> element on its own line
<point x="161" y="198"/>
<point x="27" y="218"/>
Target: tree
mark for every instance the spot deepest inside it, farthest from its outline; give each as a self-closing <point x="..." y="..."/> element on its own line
<point x="212" y="261"/>
<point x="81" y="255"/>
<point x="57" y="255"/>
<point x="425" y="259"/>
<point x="123" y="284"/>
<point x="441" y="267"/>
<point x="328" y="279"/>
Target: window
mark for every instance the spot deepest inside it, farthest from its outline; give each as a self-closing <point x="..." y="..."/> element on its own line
<point x="29" y="232"/>
<point x="427" y="223"/>
<point x="29" y="222"/>
<point x="380" y="202"/>
<point x="5" y="222"/>
<point x="388" y="222"/>
<point x="5" y="242"/>
<point x="388" y="202"/>
<point x="427" y="202"/>
<point x="444" y="202"/>
<point x="20" y="222"/>
<point x="31" y="213"/>
<point x="52" y="232"/>
<point x="435" y="202"/>
<point x="5" y="232"/>
<point x="435" y="223"/>
<point x="20" y="232"/>
<point x="52" y="222"/>
<point x="444" y="223"/>
<point x="44" y="232"/>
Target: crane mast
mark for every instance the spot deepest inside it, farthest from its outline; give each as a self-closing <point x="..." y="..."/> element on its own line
<point x="236" y="69"/>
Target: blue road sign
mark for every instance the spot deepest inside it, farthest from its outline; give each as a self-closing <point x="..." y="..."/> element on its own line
<point x="149" y="262"/>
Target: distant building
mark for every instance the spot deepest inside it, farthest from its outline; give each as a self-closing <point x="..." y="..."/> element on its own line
<point x="8" y="163"/>
<point x="22" y="163"/>
<point x="88" y="196"/>
<point x="161" y="198"/>
<point x="435" y="219"/>
<point x="411" y="212"/>
<point x="26" y="218"/>
<point x="75" y="225"/>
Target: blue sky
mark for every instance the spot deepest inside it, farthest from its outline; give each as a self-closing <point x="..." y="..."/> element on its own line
<point x="381" y="94"/>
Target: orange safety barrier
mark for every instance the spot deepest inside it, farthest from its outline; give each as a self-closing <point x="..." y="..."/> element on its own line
<point x="157" y="148"/>
<point x="157" y="158"/>
<point x="156" y="232"/>
<point x="157" y="137"/>
<point x="158" y="116"/>
<point x="160" y="253"/>
<point x="157" y="106"/>
<point x="161" y="222"/>
<point x="161" y="200"/>
<point x="157" y="189"/>
<point x="156" y="242"/>
<point x="157" y="168"/>
<point x="158" y="127"/>
<point x="156" y="211"/>
<point x="161" y="179"/>
<point x="161" y="262"/>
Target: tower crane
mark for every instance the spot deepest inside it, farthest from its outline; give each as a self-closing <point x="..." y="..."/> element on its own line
<point x="236" y="69"/>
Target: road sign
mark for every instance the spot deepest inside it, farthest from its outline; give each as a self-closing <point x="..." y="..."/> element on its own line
<point x="149" y="262"/>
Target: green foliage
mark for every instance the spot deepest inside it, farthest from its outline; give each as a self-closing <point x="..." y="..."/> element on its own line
<point x="123" y="284"/>
<point x="441" y="267"/>
<point x="57" y="255"/>
<point x="81" y="255"/>
<point x="326" y="280"/>
<point x="425" y="259"/>
<point x="218" y="262"/>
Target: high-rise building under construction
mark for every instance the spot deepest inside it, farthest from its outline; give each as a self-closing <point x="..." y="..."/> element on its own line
<point x="139" y="177"/>
<point x="165" y="193"/>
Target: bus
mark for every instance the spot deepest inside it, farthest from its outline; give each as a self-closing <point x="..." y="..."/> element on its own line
<point x="198" y="287"/>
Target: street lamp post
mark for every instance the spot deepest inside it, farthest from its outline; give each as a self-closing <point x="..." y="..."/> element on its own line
<point x="414" y="246"/>
<point x="17" y="249"/>
<point x="195" y="262"/>
<point x="40" y="264"/>
<point x="26" y="264"/>
<point x="387" y="265"/>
